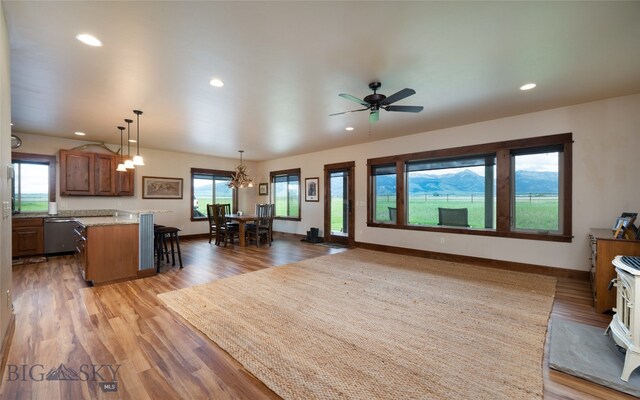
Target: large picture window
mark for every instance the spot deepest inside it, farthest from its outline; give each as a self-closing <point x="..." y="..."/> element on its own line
<point x="285" y="193"/>
<point x="519" y="188"/>
<point x="460" y="183"/>
<point x="537" y="193"/>
<point x="210" y="187"/>
<point x="33" y="185"/>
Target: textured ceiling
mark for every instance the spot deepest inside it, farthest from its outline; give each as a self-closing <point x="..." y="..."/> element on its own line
<point x="284" y="65"/>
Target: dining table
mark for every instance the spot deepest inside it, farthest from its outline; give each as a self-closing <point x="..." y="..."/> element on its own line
<point x="242" y="220"/>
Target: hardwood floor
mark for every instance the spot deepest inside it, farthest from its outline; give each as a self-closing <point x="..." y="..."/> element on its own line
<point x="59" y="320"/>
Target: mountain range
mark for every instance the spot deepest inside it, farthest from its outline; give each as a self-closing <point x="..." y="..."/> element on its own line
<point x="466" y="182"/>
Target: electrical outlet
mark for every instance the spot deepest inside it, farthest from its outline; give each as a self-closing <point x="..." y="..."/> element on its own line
<point x="9" y="299"/>
<point x="442" y="240"/>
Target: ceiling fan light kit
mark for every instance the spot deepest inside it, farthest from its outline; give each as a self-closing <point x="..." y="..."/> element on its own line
<point x="377" y="101"/>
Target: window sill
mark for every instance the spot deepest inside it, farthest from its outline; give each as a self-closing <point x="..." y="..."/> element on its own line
<point x="287" y="218"/>
<point x="477" y="232"/>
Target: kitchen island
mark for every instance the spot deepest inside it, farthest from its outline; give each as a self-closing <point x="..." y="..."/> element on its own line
<point x="107" y="248"/>
<point x="114" y="248"/>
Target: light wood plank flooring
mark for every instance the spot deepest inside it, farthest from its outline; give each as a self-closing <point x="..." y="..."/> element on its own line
<point x="61" y="320"/>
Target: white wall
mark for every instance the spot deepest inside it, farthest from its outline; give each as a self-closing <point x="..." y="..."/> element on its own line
<point x="157" y="163"/>
<point x="5" y="187"/>
<point x="605" y="179"/>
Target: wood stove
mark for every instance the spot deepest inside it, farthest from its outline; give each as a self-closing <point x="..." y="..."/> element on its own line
<point x="625" y="326"/>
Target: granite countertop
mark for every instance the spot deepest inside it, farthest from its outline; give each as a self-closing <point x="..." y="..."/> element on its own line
<point x="113" y="220"/>
<point x="68" y="214"/>
<point x="89" y="213"/>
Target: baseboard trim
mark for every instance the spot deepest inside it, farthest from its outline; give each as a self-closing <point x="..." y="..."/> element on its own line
<point x="145" y="273"/>
<point x="6" y="346"/>
<point x="483" y="262"/>
<point x="195" y="236"/>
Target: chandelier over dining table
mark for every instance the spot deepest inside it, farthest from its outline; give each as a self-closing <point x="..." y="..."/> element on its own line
<point x="240" y="178"/>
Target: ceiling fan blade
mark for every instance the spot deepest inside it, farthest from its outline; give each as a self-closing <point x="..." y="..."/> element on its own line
<point x="374" y="116"/>
<point x="353" y="98"/>
<point x="413" y="109"/>
<point x="344" y="112"/>
<point x="398" y="96"/>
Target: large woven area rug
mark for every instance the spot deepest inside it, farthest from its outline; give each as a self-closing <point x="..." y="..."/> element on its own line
<point x="370" y="325"/>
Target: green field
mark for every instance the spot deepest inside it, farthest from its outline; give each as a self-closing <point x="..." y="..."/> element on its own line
<point x="203" y="201"/>
<point x="539" y="213"/>
<point x="33" y="202"/>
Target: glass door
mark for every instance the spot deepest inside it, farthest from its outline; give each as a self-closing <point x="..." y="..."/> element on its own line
<point x="339" y="202"/>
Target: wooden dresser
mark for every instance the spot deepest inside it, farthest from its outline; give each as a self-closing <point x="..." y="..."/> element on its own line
<point x="603" y="249"/>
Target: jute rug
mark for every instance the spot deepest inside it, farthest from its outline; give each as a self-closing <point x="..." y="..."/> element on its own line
<point x="371" y="325"/>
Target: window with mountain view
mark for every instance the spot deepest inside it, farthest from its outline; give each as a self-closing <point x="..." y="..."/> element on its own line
<point x="209" y="187"/>
<point x="517" y="188"/>
<point x="286" y="193"/>
<point x="458" y="183"/>
<point x="384" y="193"/>
<point x="537" y="190"/>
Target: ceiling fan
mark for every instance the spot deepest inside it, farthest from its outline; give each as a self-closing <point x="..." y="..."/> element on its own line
<point x="374" y="102"/>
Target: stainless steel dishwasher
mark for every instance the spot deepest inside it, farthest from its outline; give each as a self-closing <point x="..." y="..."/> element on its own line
<point x="58" y="235"/>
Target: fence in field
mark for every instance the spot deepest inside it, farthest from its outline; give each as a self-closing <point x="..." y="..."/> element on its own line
<point x="471" y="197"/>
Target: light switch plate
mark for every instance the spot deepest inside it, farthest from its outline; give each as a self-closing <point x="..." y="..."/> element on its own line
<point x="9" y="171"/>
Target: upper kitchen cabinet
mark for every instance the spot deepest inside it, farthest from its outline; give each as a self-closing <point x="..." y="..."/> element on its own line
<point x="125" y="181"/>
<point x="77" y="173"/>
<point x="105" y="180"/>
<point x="93" y="174"/>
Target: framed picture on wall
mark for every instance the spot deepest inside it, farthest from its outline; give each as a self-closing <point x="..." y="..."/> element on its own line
<point x="311" y="189"/>
<point x="263" y="189"/>
<point x="154" y="187"/>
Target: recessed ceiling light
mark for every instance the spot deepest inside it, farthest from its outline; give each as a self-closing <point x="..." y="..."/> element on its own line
<point x="216" y="83"/>
<point x="12" y="124"/>
<point x="80" y="133"/>
<point x="89" y="40"/>
<point x="528" y="86"/>
<point x="132" y="141"/>
<point x="349" y="128"/>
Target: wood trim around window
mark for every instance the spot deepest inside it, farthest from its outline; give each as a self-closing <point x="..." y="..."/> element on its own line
<point x="292" y="171"/>
<point x="502" y="150"/>
<point x="40" y="159"/>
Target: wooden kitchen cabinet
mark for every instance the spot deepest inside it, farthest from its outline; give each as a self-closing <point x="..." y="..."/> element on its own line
<point x="125" y="182"/>
<point x="105" y="179"/>
<point x="77" y="173"/>
<point x="603" y="250"/>
<point x="27" y="237"/>
<point x="93" y="174"/>
<point x="107" y="253"/>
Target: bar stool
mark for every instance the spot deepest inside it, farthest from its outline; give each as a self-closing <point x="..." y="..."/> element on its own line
<point x="161" y="234"/>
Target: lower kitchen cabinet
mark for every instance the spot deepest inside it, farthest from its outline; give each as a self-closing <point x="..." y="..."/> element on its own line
<point x="27" y="237"/>
<point x="107" y="253"/>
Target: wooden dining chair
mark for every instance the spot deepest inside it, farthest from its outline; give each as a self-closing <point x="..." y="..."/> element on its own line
<point x="262" y="226"/>
<point x="212" y="223"/>
<point x="224" y="230"/>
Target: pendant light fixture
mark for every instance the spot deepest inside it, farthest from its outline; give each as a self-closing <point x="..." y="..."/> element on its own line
<point x="240" y="179"/>
<point x="128" y="163"/>
<point x="137" y="159"/>
<point x="121" y="167"/>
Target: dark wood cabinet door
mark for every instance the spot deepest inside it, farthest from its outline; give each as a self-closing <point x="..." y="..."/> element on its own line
<point x="27" y="241"/>
<point x="105" y="169"/>
<point x="76" y="173"/>
<point x="125" y="182"/>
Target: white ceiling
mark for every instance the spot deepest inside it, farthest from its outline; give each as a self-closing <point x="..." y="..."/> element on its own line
<point x="284" y="64"/>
